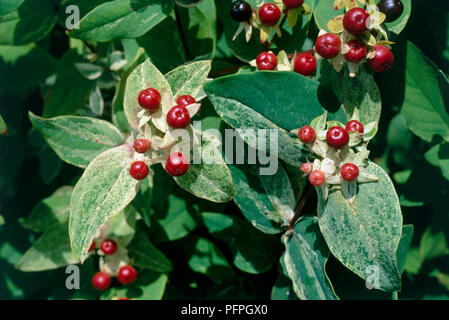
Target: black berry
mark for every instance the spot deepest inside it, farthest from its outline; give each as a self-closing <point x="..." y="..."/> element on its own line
<point x="392" y="8"/>
<point x="241" y="11"/>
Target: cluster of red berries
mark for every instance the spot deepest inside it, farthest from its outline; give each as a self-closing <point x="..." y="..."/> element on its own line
<point x="337" y="138"/>
<point x="178" y="118"/>
<point x="102" y="280"/>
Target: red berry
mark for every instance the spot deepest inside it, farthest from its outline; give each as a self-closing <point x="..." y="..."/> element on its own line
<point x="328" y="45"/>
<point x="383" y="60"/>
<point x="108" y="246"/>
<point x="177" y="164"/>
<point x="127" y="275"/>
<point x="139" y="170"/>
<point x="355" y="125"/>
<point x="178" y="117"/>
<point x="269" y="14"/>
<point x="354" y="21"/>
<point x="123" y="299"/>
<point x="307" y="134"/>
<point x="349" y="171"/>
<point x="337" y="137"/>
<point x="150" y="99"/>
<point x="293" y="4"/>
<point x="357" y="51"/>
<point x="317" y="178"/>
<point x="306" y="168"/>
<point x="305" y="64"/>
<point x="266" y="61"/>
<point x="185" y="101"/>
<point x="101" y="281"/>
<point x="142" y="145"/>
<point x="92" y="246"/>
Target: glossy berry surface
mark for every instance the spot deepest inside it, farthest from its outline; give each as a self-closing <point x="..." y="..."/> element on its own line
<point x="305" y="64"/>
<point x="185" y="100"/>
<point x="355" y="125"/>
<point x="306" y="168"/>
<point x="92" y="246"/>
<point x="139" y="170"/>
<point x="142" y="145"/>
<point x="383" y="60"/>
<point x="108" y="246"/>
<point x="127" y="275"/>
<point x="337" y="137"/>
<point x="101" y="281"/>
<point x="177" y="164"/>
<point x="317" y="178"/>
<point x="349" y="171"/>
<point x="392" y="8"/>
<point x="150" y="99"/>
<point x="266" y="61"/>
<point x="269" y="14"/>
<point x="357" y="51"/>
<point x="354" y="21"/>
<point x="241" y="11"/>
<point x="328" y="45"/>
<point x="307" y="134"/>
<point x="293" y="4"/>
<point x="178" y="117"/>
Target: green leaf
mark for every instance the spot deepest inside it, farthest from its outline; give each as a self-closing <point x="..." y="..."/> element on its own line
<point x="425" y="102"/>
<point x="122" y="227"/>
<point x="188" y="3"/>
<point x="3" y="127"/>
<point x="365" y="235"/>
<point x="118" y="115"/>
<point x="146" y="255"/>
<point x="31" y="60"/>
<point x="253" y="251"/>
<point x="25" y="21"/>
<point x="2" y="220"/>
<point x="399" y="24"/>
<point x="265" y="201"/>
<point x="211" y="179"/>
<point x="104" y="190"/>
<point x="149" y="286"/>
<point x="439" y="157"/>
<point x="306" y="254"/>
<point x="50" y="251"/>
<point x="121" y="19"/>
<point x="77" y="140"/>
<point x="360" y="92"/>
<point x="188" y="79"/>
<point x="283" y="289"/>
<point x="70" y="91"/>
<point x="434" y="241"/>
<point x="324" y="12"/>
<point x="404" y="246"/>
<point x="50" y="165"/>
<point x="145" y="76"/>
<point x="206" y="258"/>
<point x="50" y="211"/>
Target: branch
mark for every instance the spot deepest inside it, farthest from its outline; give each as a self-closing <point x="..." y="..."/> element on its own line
<point x="305" y="196"/>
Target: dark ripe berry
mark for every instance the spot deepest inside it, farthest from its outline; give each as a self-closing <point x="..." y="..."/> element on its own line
<point x="349" y="171"/>
<point x="354" y="21"/>
<point x="355" y="125"/>
<point x="108" y="246"/>
<point x="177" y="164"/>
<point x="142" y="145"/>
<point x="392" y="8"/>
<point x="178" y="117"/>
<point x="328" y="45"/>
<point x="241" y="11"/>
<point x="317" y="178"/>
<point x="101" y="281"/>
<point x="185" y="101"/>
<point x="337" y="137"/>
<point x="266" y="61"/>
<point x="293" y="4"/>
<point x="269" y="14"/>
<point x="383" y="60"/>
<point x="139" y="170"/>
<point x="92" y="246"/>
<point x="150" y="99"/>
<point x="357" y="51"/>
<point x="305" y="64"/>
<point x="306" y="168"/>
<point x="307" y="134"/>
<point x="127" y="275"/>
